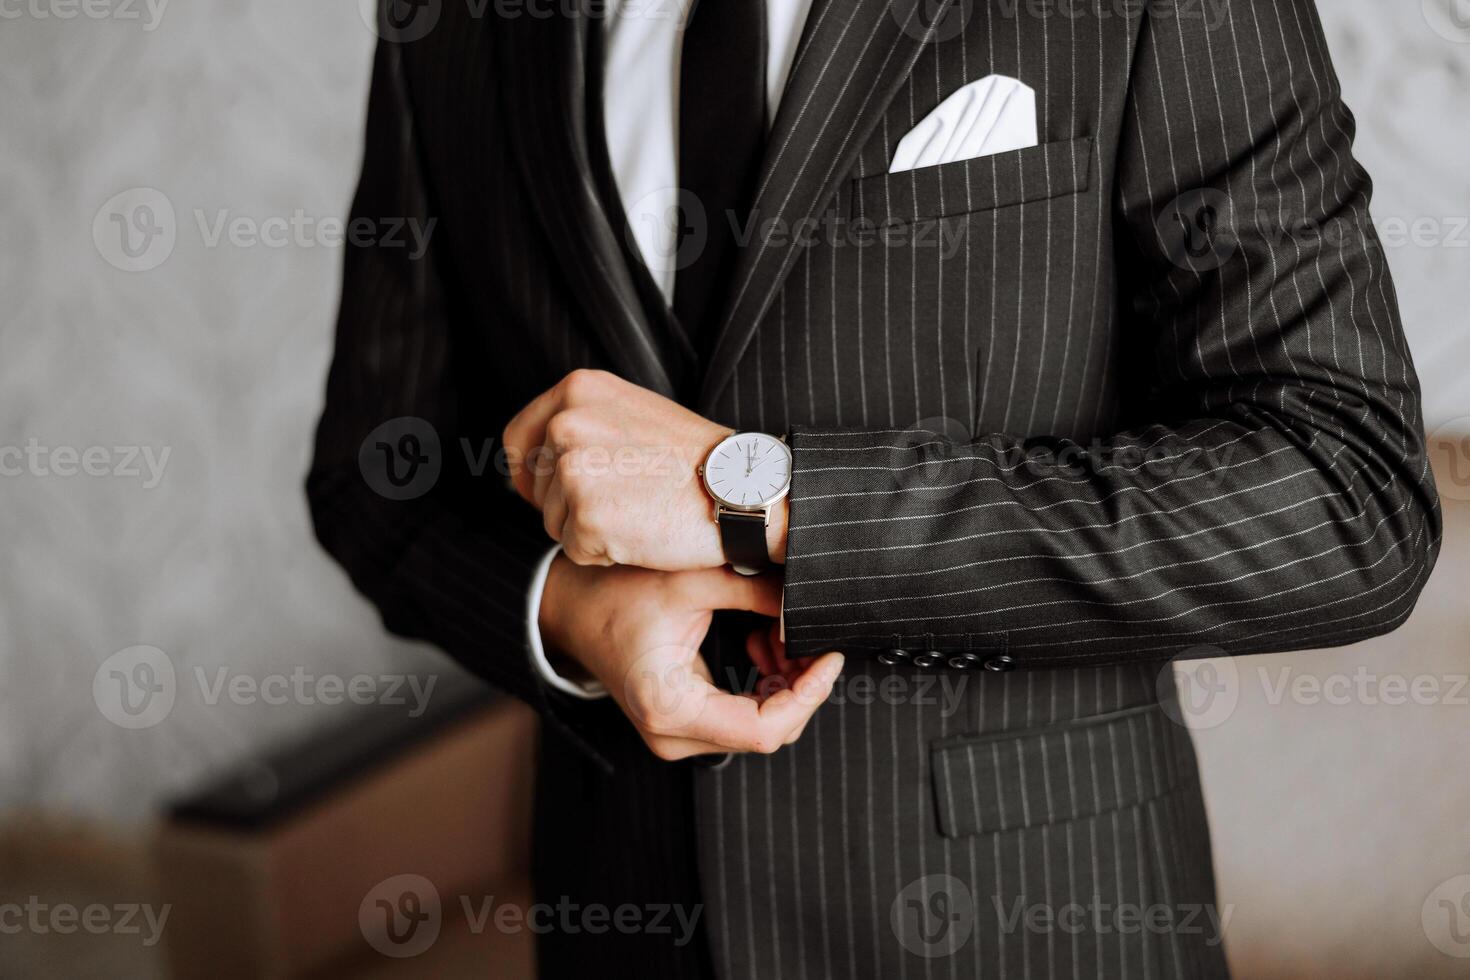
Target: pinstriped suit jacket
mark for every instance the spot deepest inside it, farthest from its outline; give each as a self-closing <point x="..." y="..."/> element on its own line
<point x="1064" y="413"/>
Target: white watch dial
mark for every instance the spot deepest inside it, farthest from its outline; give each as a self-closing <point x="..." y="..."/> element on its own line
<point x="748" y="471"/>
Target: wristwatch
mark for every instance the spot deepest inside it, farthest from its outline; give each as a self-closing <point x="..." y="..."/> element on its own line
<point x="746" y="474"/>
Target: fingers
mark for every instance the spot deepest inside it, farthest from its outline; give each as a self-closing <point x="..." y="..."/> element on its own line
<point x="743" y="724"/>
<point x="768" y="653"/>
<point x="789" y="668"/>
<point x="525" y="435"/>
<point x="684" y="713"/>
<point x="721" y="588"/>
<point x="542" y="464"/>
<point x="675" y="749"/>
<point x="812" y="674"/>
<point x="554" y="513"/>
<point x="758" y="648"/>
<point x="526" y="439"/>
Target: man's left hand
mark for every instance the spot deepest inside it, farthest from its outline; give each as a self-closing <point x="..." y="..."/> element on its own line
<point x="612" y="468"/>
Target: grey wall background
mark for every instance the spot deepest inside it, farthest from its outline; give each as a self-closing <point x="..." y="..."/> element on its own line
<point x="1334" y="822"/>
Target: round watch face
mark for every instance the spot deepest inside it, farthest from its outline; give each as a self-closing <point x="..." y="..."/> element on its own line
<point x="748" y="471"/>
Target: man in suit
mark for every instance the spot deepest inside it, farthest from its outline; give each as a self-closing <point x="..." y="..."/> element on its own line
<point x="1130" y="387"/>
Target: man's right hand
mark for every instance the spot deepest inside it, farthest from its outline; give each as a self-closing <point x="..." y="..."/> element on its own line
<point x="638" y="632"/>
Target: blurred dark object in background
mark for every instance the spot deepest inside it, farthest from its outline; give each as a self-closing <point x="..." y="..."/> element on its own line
<point x="287" y="866"/>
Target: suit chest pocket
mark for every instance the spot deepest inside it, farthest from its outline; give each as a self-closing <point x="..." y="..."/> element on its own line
<point x="1035" y="173"/>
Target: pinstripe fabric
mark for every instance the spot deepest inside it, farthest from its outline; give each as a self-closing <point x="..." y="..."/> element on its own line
<point x="1040" y="793"/>
<point x="1286" y="500"/>
<point x="965" y="763"/>
<point x="1227" y="455"/>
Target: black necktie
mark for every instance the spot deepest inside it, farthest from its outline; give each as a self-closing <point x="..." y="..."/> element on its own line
<point x="722" y="132"/>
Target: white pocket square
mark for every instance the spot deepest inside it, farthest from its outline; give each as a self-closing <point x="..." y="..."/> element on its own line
<point x="992" y="115"/>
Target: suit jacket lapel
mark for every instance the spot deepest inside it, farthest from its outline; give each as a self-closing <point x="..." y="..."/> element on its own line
<point x="854" y="57"/>
<point x="544" y="79"/>
<point x="682" y="359"/>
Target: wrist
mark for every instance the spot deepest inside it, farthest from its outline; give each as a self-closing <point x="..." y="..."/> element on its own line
<point x="740" y="475"/>
<point x="701" y="531"/>
<point x="555" y="618"/>
<point x="776" y="530"/>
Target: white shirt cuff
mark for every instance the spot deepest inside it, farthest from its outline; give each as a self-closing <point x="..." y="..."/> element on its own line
<point x="587" y="690"/>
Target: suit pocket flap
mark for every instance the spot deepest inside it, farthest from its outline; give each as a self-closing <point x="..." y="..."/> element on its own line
<point x="1010" y="780"/>
<point x="981" y="184"/>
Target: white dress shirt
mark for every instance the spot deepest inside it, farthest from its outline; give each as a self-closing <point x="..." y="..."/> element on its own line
<point x="643" y="43"/>
<point x="640" y="103"/>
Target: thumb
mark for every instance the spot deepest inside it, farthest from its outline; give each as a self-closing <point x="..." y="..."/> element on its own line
<point x="721" y="588"/>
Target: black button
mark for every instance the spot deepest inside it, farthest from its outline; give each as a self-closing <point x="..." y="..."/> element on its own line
<point x="966" y="661"/>
<point x="893" y="657"/>
<point x="1000" y="664"/>
<point x="929" y="658"/>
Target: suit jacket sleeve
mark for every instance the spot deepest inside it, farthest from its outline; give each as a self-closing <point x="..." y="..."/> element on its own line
<point x="452" y="564"/>
<point x="1279" y="498"/>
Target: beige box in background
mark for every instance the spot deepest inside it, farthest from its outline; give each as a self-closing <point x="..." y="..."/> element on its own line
<point x="286" y="901"/>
